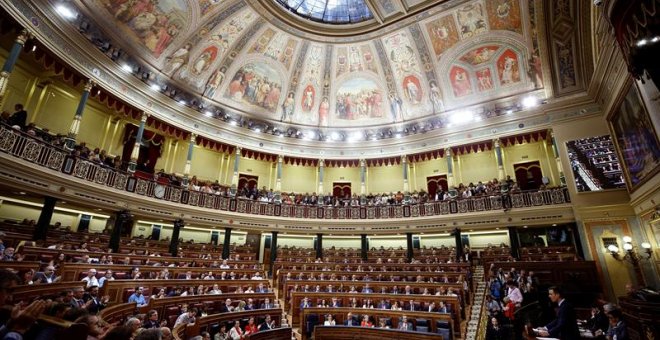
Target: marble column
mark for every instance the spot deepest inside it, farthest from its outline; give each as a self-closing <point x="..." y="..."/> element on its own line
<point x="450" y="168"/>
<point x="555" y="151"/>
<point x="319" y="246"/>
<point x="132" y="164"/>
<point x="186" y="169"/>
<point x="364" y="247"/>
<point x="273" y="252"/>
<point x="8" y="67"/>
<point x="498" y="157"/>
<point x="409" y="243"/>
<point x="363" y="177"/>
<point x="321" y="167"/>
<point x="70" y="140"/>
<point x="174" y="241"/>
<point x="122" y="218"/>
<point x="226" y="244"/>
<point x="234" y="178"/>
<point x="41" y="229"/>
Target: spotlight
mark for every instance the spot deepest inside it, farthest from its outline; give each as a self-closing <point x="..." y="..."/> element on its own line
<point x="208" y="114"/>
<point x="461" y="118"/>
<point x="335" y="136"/>
<point x="127" y="68"/>
<point x="182" y="102"/>
<point x="155" y="87"/>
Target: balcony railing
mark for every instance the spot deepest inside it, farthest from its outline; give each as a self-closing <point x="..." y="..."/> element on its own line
<point x="34" y="150"/>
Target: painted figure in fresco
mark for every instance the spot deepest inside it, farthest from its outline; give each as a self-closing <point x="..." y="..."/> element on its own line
<point x="324" y="109"/>
<point x="535" y="71"/>
<point x="177" y="60"/>
<point x="287" y="108"/>
<point x="507" y="70"/>
<point x="308" y="98"/>
<point x="413" y="91"/>
<point x="462" y="85"/>
<point x="214" y="82"/>
<point x="436" y="97"/>
<point x="204" y="61"/>
<point x="396" y="107"/>
<point x="484" y="80"/>
<point x="471" y="19"/>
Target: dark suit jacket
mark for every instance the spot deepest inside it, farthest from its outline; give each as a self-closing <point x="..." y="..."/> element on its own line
<point x="565" y="325"/>
<point x="19" y="118"/>
<point x="352" y="323"/>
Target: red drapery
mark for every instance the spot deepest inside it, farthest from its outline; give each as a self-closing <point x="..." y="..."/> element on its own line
<point x="249" y="180"/>
<point x="150" y="149"/>
<point x="528" y="175"/>
<point x="433" y="183"/>
<point x="341" y="189"/>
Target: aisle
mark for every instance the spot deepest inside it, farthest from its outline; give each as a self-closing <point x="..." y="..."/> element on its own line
<point x="477" y="304"/>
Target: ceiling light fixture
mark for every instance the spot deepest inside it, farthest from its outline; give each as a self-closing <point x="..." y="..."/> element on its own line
<point x="127" y="68"/>
<point x="529" y="102"/>
<point x="208" y="114"/>
<point x="461" y="117"/>
<point x="65" y="12"/>
<point x="155" y="87"/>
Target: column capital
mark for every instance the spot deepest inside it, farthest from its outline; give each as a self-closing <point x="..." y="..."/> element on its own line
<point x="193" y="137"/>
<point x="144" y="117"/>
<point x="280" y="158"/>
<point x="552" y="133"/>
<point x="496" y="142"/>
<point x="448" y="151"/>
<point x="238" y="150"/>
<point x="89" y="85"/>
<point x="363" y="162"/>
<point x="23" y="36"/>
<point x="404" y="159"/>
<point x="321" y="162"/>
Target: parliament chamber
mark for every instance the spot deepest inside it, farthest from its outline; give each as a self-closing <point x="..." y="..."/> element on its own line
<point x="329" y="169"/>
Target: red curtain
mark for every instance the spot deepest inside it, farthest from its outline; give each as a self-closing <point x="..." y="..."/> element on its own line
<point x="433" y="183"/>
<point x="251" y="181"/>
<point x="341" y="189"/>
<point x="529" y="175"/>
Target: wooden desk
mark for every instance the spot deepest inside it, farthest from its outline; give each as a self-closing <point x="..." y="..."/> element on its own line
<point x="120" y="290"/>
<point x="273" y="334"/>
<point x="184" y="332"/>
<point x="340" y="316"/>
<point x="76" y="271"/>
<point x="50" y="290"/>
<point x="452" y="302"/>
<point x="364" y="333"/>
<point x="416" y="287"/>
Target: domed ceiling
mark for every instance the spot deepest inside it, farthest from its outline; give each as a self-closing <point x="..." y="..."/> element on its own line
<point x="427" y="59"/>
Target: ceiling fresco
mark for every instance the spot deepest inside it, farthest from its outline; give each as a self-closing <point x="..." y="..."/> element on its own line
<point x="223" y="53"/>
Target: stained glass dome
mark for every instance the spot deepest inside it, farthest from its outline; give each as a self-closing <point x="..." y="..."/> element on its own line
<point x="329" y="11"/>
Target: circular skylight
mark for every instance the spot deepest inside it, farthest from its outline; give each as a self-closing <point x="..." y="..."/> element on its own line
<point x="329" y="11"/>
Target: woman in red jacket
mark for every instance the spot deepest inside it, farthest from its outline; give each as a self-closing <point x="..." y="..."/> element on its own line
<point x="250" y="328"/>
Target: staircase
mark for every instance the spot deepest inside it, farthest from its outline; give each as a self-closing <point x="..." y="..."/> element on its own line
<point x="477" y="312"/>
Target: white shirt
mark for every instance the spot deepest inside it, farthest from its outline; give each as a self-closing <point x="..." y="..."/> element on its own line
<point x="91" y="281"/>
<point x="515" y="295"/>
<point x="329" y="323"/>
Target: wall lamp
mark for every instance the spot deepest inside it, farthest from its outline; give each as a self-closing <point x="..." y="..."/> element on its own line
<point x="632" y="253"/>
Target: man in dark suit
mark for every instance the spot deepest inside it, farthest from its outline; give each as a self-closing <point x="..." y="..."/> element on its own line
<point x="19" y="117"/>
<point x="47" y="276"/>
<point x="565" y="325"/>
<point x="350" y="321"/>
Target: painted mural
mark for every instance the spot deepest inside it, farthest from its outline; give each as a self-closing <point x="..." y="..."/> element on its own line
<point x="504" y="15"/>
<point x="413" y="89"/>
<point x="480" y="55"/>
<point x="358" y="99"/>
<point x="207" y="6"/>
<point x="443" y="34"/>
<point x="460" y="82"/>
<point x="276" y="45"/>
<point x="256" y="84"/>
<point x="471" y="20"/>
<point x="155" y="24"/>
<point x="354" y="59"/>
<point x="508" y="68"/>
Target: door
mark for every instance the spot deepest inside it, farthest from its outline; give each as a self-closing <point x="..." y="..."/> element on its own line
<point x="528" y="175"/>
<point x="436" y="183"/>
<point x="340" y="189"/>
<point x="155" y="232"/>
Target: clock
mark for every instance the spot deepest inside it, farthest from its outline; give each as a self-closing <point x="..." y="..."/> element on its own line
<point x="159" y="191"/>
